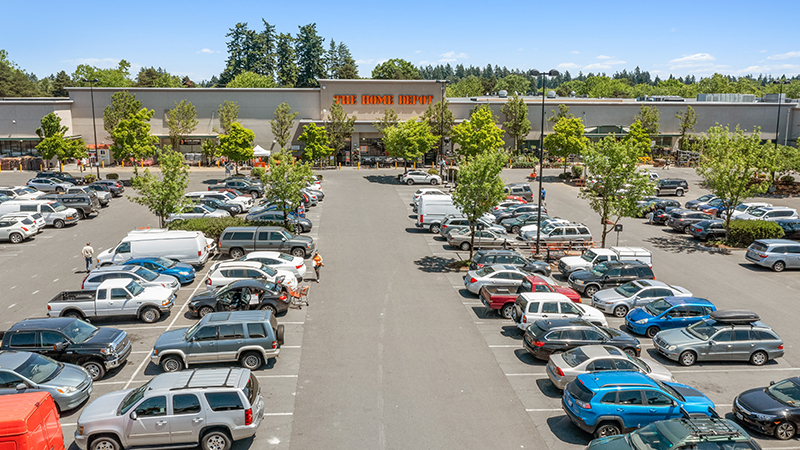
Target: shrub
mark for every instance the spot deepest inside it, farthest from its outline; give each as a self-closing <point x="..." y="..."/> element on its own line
<point x="213" y="227"/>
<point x="257" y="172"/>
<point x="524" y="164"/>
<point x="577" y="171"/>
<point x="787" y="179"/>
<point x="112" y="176"/>
<point x="742" y="233"/>
<point x="564" y="176"/>
<point x="433" y="172"/>
<point x="89" y="178"/>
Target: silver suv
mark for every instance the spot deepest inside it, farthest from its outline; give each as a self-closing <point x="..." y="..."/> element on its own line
<point x="210" y="407"/>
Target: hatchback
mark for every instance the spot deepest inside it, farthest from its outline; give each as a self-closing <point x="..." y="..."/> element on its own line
<point x="668" y="313"/>
<point x="185" y="273"/>
<point x="777" y="254"/>
<point x="609" y="403"/>
<point x="564" y="367"/>
<point x="68" y="384"/>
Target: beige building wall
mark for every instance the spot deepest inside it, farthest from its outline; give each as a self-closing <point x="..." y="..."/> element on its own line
<point x="20" y="117"/>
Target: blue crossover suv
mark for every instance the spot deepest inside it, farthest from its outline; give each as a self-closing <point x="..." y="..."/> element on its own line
<point x="609" y="403"/>
<point x="667" y="313"/>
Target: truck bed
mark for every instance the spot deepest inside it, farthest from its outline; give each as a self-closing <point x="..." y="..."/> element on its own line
<point x="75" y="296"/>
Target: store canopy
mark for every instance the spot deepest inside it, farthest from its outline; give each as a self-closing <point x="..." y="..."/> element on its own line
<point x="259" y="151"/>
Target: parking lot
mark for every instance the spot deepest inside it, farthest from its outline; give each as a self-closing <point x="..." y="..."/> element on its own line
<point x="393" y="352"/>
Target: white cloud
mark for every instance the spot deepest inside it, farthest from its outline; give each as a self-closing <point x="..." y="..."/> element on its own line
<point x="575" y="52"/>
<point x="788" y="55"/>
<point x="568" y="66"/>
<point x="697" y="57"/>
<point x="365" y="61"/>
<point x="779" y="68"/>
<point x="672" y="30"/>
<point x="418" y="51"/>
<point x="762" y="51"/>
<point x="596" y="66"/>
<point x="452" y="57"/>
<point x="424" y="63"/>
<point x="605" y="57"/>
<point x="207" y="51"/>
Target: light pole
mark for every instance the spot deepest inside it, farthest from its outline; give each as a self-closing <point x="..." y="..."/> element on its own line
<point x="441" y="119"/>
<point x="536" y="73"/>
<point x="94" y="124"/>
<point x="778" y="124"/>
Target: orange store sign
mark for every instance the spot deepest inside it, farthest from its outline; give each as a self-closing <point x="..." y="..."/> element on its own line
<point x="383" y="99"/>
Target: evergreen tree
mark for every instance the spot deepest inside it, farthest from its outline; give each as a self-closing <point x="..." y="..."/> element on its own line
<point x="346" y="68"/>
<point x="61" y="81"/>
<point x="287" y="67"/>
<point x="310" y="53"/>
<point x="236" y="53"/>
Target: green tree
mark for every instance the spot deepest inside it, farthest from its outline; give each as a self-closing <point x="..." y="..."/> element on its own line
<point x="615" y="162"/>
<point x="408" y="140"/>
<point x="317" y="143"/>
<point x="479" y="187"/>
<point x="13" y="81"/>
<point x="209" y="150"/>
<point x="57" y="146"/>
<point x="282" y="124"/>
<point x="517" y="124"/>
<point x="389" y="119"/>
<point x="228" y="113"/>
<point x="478" y="134"/>
<point x="249" y="51"/>
<point x="441" y="120"/>
<point x="688" y="119"/>
<point x="237" y="145"/>
<point x="514" y="84"/>
<point x="132" y="138"/>
<point x="563" y="112"/>
<point x="163" y="196"/>
<point x="310" y="56"/>
<point x="123" y="106"/>
<point x="649" y="116"/>
<point x="287" y="70"/>
<point x="729" y="163"/>
<point x="638" y="136"/>
<point x="113" y="77"/>
<point x="285" y="180"/>
<point x="781" y="160"/>
<point x="61" y="81"/>
<point x="251" y="80"/>
<point x="339" y="127"/>
<point x="395" y="69"/>
<point x="468" y="87"/>
<point x="566" y="139"/>
<point x="181" y="122"/>
<point x="51" y="126"/>
<point x="346" y="67"/>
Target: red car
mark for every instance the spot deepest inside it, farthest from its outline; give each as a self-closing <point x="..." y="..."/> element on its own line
<point x="502" y="298"/>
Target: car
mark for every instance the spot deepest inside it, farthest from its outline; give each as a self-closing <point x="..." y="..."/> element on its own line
<point x="99" y="187"/>
<point x="196" y="212"/>
<point x="278" y="260"/>
<point x="37" y="220"/>
<point x="144" y="277"/>
<point x="561" y="232"/>
<point x="185" y="273"/>
<point x="418" y="176"/>
<point x="225" y="272"/>
<point x="241" y="295"/>
<point x="681" y="219"/>
<point x="68" y="384"/>
<point x="117" y="188"/>
<point x="773" y="410"/>
<point x="747" y="208"/>
<point x="693" y="204"/>
<point x="727" y="335"/>
<point x="453" y="223"/>
<point x="777" y="254"/>
<point x="103" y="197"/>
<point x="515" y="224"/>
<point x="545" y="337"/>
<point x="771" y="213"/>
<point x="249" y="337"/>
<point x="49" y="185"/>
<point x="519" y="190"/>
<point x="425" y="191"/>
<point x="528" y="232"/>
<point x="62" y="176"/>
<point x="71" y="340"/>
<point x="531" y="307"/>
<point x="608" y="274"/>
<point x="238" y="240"/>
<point x="216" y="204"/>
<point x="693" y="433"/>
<point x="661" y="216"/>
<point x="494" y="275"/>
<point x="15" y="230"/>
<point x="21" y="192"/>
<point x="503" y="298"/>
<point x="518" y="210"/>
<point x="462" y="239"/>
<point x="506" y="203"/>
<point x="708" y="230"/>
<point x="84" y="204"/>
<point x="618" y="301"/>
<point x="243" y="203"/>
<point x="667" y="313"/>
<point x="241" y="185"/>
<point x="508" y="257"/>
<point x="301" y="224"/>
<point x="791" y="228"/>
<point x="565" y="367"/>
<point x="609" y="403"/>
<point x="209" y="408"/>
<point x="671" y="186"/>
<point x="714" y="207"/>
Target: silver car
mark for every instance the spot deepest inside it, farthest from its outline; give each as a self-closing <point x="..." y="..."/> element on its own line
<point x="68" y="384"/>
<point x="494" y="275"/>
<point x="145" y="277"/>
<point x="483" y="239"/>
<point x="618" y="301"/>
<point x="49" y="185"/>
<point x="418" y="176"/>
<point x="565" y="367"/>
<point x="777" y="254"/>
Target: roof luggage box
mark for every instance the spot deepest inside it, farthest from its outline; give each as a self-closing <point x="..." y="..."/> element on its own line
<point x="735" y="316"/>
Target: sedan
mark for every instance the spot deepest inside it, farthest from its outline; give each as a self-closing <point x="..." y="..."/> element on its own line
<point x="49" y="185"/>
<point x="517" y="210"/>
<point x="219" y="205"/>
<point x="185" y="273"/>
<point x="117" y="189"/>
<point x="483" y="239"/>
<point x="565" y="367"/>
<point x="21" y="192"/>
<point x="241" y="295"/>
<point x="772" y="410"/>
<point x="495" y="275"/>
<point x="144" y="277"/>
<point x="68" y="384"/>
<point x="278" y="260"/>
<point x="196" y="212"/>
<point x="708" y="230"/>
<point x="514" y="224"/>
<point x="15" y="230"/>
<point x="418" y="176"/>
<point x="620" y="300"/>
<point x="693" y="204"/>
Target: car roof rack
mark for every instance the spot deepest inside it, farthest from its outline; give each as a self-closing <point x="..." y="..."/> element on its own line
<point x="715" y="426"/>
<point x="735" y="316"/>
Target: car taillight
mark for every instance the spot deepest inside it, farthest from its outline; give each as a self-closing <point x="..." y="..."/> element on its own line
<point x="420" y="219"/>
<point x="524" y="319"/>
<point x="208" y="281"/>
<point x="274" y="344"/>
<point x="584" y="405"/>
<point x="780" y="347"/>
<point x="480" y="266"/>
<point x="559" y="371"/>
<point x="538" y="344"/>
<point x="282" y="297"/>
<point x="48" y="307"/>
<point x="762" y="256"/>
<point x="199" y="253"/>
<point x="299" y="266"/>
<point x="472" y="280"/>
<point x="24" y="228"/>
<point x="248" y="416"/>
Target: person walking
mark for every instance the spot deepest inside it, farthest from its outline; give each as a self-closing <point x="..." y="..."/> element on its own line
<point x="88" y="253"/>
<point x="317" y="262"/>
<point x="544" y="193"/>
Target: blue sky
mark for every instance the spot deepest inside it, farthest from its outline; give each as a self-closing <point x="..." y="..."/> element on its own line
<point x="188" y="38"/>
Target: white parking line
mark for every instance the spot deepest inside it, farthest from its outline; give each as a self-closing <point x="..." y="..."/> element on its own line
<point x="276" y="376"/>
<point x="525" y="374"/>
<point x="12" y="305"/>
<point x="278" y="414"/>
<point x="505" y="346"/>
<point x="544" y="410"/>
<point x="35" y="292"/>
<point x="290" y="346"/>
<point x="471" y="303"/>
<point x="55" y="280"/>
<point x="293" y="323"/>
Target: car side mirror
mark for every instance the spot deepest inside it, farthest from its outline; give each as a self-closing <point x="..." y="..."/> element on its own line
<point x="667" y="317"/>
<point x="711" y="342"/>
<point x="61" y="346"/>
<point x="22" y="386"/>
<point x="133" y="415"/>
<point x="283" y="239"/>
<point x="771" y="383"/>
<point x="128" y="296"/>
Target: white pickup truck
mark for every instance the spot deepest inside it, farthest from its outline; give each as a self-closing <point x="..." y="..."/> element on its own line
<point x="117" y="297"/>
<point x="594" y="256"/>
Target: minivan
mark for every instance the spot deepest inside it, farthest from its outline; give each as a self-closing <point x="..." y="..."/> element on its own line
<point x="777" y="254"/>
<point x="432" y="211"/>
<point x="55" y="214"/>
<point x="190" y="247"/>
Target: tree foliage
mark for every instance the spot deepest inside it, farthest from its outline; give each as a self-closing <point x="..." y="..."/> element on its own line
<point x="563" y="112"/>
<point x="249" y="51"/>
<point x="181" y="121"/>
<point x="409" y="140"/>
<point x="228" y="113"/>
<point x="61" y="81"/>
<point x="123" y="106"/>
<point x="285" y="180"/>
<point x="13" y="81"/>
<point x="389" y="119"/>
<point x="282" y="124"/>
<point x="113" y="77"/>
<point x="395" y="69"/>
<point x="649" y="116"/>
<point x="339" y="127"/>
<point x="53" y="143"/>
<point x="317" y="143"/>
<point x="133" y="139"/>
<point x="688" y="119"/>
<point x="163" y="196"/>
<point x="51" y="126"/>
<point x="251" y="80"/>
<point x="566" y="139"/>
<point x="310" y="56"/>
<point x="237" y="145"/>
<point x="441" y="120"/>
<point x="478" y="134"/>
<point x="287" y="70"/>
<point x="468" y="87"/>
<point x="514" y="84"/>
<point x="517" y="124"/>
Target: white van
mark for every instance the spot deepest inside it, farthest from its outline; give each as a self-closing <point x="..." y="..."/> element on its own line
<point x="55" y="214"/>
<point x="433" y="209"/>
<point x="188" y="247"/>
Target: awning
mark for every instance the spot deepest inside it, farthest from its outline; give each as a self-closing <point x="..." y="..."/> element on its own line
<point x="260" y="151"/>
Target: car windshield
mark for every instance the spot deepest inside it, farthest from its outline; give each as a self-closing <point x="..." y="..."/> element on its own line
<point x="658" y="436"/>
<point x="628" y="290"/>
<point x="285" y="257"/>
<point x="758" y="212"/>
<point x="657" y="307"/>
<point x="639" y="363"/>
<point x="26" y="190"/>
<point x="702" y="330"/>
<point x="786" y="391"/>
<point x="39" y="369"/>
<point x="168" y="263"/>
<point x="588" y="256"/>
<point x="547" y="229"/>
<point x="488" y="270"/>
<point x="148" y="275"/>
<point x="548" y="280"/>
<point x="132" y="398"/>
<point x="134" y="288"/>
<point x="600" y="269"/>
<point x="670" y="390"/>
<point x="575" y="357"/>
<point x="286" y="234"/>
<point x="58" y="207"/>
<point x="79" y="331"/>
<point x="741" y="208"/>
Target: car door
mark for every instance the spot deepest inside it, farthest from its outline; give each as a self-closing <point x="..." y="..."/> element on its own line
<point x="743" y="343"/>
<point x="55" y="345"/>
<point x="571" y="339"/>
<point x="9" y="382"/>
<point x="678" y="317"/>
<point x="229" y="341"/>
<point x="549" y="310"/>
<point x="150" y="427"/>
<point x="631" y="408"/>
<point x="187" y="419"/>
<point x="626" y="274"/>
<point x="592" y="337"/>
<point x="613" y="278"/>
<point x="719" y="347"/>
<point x="659" y="406"/>
<point x="645" y="296"/>
<point x="568" y="310"/>
<point x="203" y="345"/>
<point x="116" y="304"/>
<point x="122" y="253"/>
<point x="793" y="256"/>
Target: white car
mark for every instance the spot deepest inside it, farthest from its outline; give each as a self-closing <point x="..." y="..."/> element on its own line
<point x="196" y="212"/>
<point x="15" y="229"/>
<point x="38" y="222"/>
<point x="506" y="203"/>
<point x="282" y="261"/>
<point x="423" y="192"/>
<point x="618" y="301"/>
<point x="226" y="272"/>
<point x="244" y="203"/>
<point x="533" y="306"/>
<point x="418" y="176"/>
<point x="21" y="192"/>
<point x="747" y="208"/>
<point x="494" y="275"/>
<point x="528" y="232"/>
<point x="771" y="213"/>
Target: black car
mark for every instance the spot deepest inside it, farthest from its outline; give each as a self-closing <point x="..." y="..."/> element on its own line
<point x="774" y="410"/>
<point x="241" y="295"/>
<point x="659" y="204"/>
<point x="116" y="187"/>
<point x="791" y="228"/>
<point x="85" y="204"/>
<point x="545" y="337"/>
<point x="708" y="230"/>
<point x="609" y="274"/>
<point x="63" y="176"/>
<point x="216" y="204"/>
<point x="660" y="216"/>
<point x="517" y="210"/>
<point x="681" y="219"/>
<point x="508" y="257"/>
<point x="72" y="341"/>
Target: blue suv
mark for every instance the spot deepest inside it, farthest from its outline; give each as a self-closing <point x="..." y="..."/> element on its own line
<point x="183" y="272"/>
<point x="667" y="313"/>
<point x="609" y="403"/>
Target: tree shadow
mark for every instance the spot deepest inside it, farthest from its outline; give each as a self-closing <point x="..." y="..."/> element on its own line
<point x="382" y="179"/>
<point x="682" y="244"/>
<point x="548" y="388"/>
<point x="435" y="264"/>
<point x="566" y="431"/>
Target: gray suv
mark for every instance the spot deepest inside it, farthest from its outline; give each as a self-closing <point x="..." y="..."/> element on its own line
<point x="210" y="407"/>
<point x="236" y="241"/>
<point x="250" y="337"/>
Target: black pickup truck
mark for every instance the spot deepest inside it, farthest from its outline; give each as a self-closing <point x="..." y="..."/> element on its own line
<point x="72" y="341"/>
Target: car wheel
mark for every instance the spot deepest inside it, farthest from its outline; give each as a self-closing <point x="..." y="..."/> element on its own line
<point x="679" y="192"/>
<point x="298" y="252"/>
<point x="216" y="440"/>
<point x="607" y="429"/>
<point x="434" y="181"/>
<point x="72" y="314"/>
<point x="205" y="310"/>
<point x="270" y="308"/>
<point x="81" y="214"/>
<point x="779" y="266"/>
<point x="409" y="182"/>
<point x="237" y="253"/>
<point x="15" y="238"/>
<point x="58" y="223"/>
<point x="171" y="363"/>
<point x="254" y="194"/>
<point x="759" y="358"/>
<point x="621" y="311"/>
<point x="280" y="332"/>
<point x="59" y="190"/>
<point x="464" y="246"/>
<point x="591" y="290"/>
<point x="507" y="311"/>
<point x="630" y="352"/>
<point x="150" y="315"/>
<point x="434" y="228"/>
<point x="687" y="358"/>
<point x="685" y="229"/>
<point x="785" y="431"/>
<point x="515" y="229"/>
<point x="104" y="443"/>
<point x="251" y="360"/>
<point x="95" y="369"/>
<point x="652" y="332"/>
